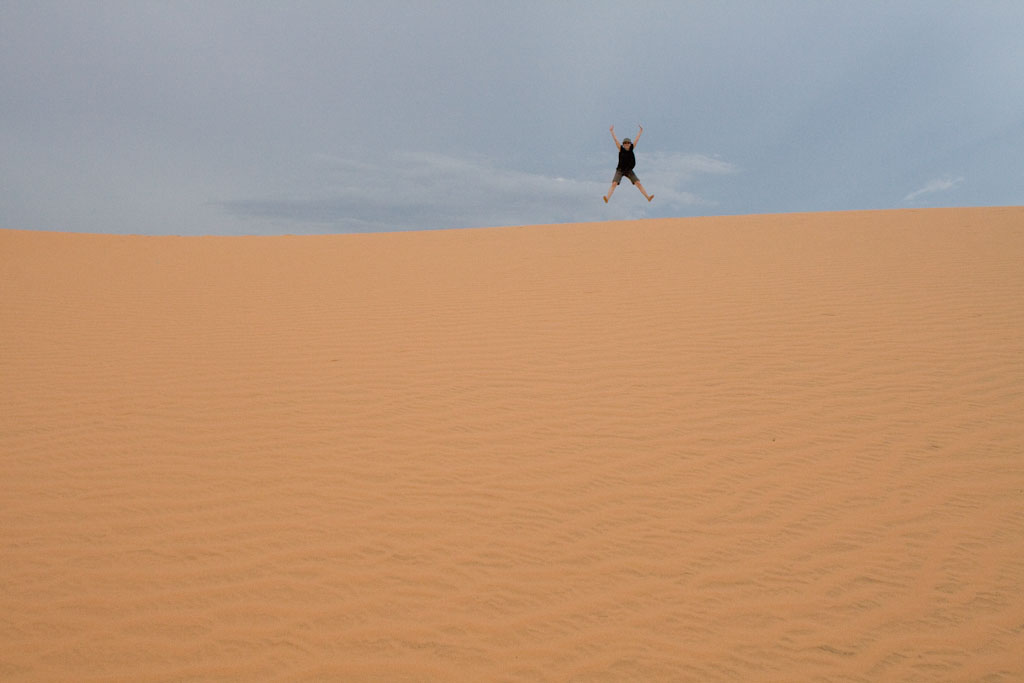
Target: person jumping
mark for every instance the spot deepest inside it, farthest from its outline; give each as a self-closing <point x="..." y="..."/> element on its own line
<point x="627" y="160"/>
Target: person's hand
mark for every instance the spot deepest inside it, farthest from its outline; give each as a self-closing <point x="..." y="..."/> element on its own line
<point x="612" y="128"/>
<point x="641" y="129"/>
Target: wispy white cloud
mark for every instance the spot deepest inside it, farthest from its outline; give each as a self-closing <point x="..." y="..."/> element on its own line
<point x="671" y="174"/>
<point x="931" y="187"/>
<point x="405" y="191"/>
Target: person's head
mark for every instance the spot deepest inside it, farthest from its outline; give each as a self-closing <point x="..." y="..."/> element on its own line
<point x="626" y="142"/>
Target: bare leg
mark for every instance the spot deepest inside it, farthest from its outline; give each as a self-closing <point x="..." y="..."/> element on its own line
<point x="610" y="191"/>
<point x="644" y="192"/>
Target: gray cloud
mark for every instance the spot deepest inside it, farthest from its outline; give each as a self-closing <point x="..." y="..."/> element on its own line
<point x="401" y="189"/>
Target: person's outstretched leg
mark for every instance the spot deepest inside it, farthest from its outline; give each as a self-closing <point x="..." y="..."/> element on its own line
<point x="644" y="192"/>
<point x="610" y="191"/>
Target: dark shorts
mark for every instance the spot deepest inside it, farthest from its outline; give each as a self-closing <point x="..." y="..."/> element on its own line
<point x="629" y="174"/>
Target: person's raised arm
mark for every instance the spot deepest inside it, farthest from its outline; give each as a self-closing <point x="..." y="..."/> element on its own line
<point x="617" y="145"/>
<point x="637" y="138"/>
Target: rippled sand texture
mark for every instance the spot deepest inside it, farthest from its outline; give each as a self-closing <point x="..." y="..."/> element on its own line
<point x="753" y="448"/>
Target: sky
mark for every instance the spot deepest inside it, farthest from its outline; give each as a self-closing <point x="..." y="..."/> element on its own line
<point x="317" y="116"/>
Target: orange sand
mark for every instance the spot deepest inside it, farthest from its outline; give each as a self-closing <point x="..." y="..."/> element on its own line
<point x="749" y="448"/>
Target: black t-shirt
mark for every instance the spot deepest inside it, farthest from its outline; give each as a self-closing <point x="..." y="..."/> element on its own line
<point x="627" y="160"/>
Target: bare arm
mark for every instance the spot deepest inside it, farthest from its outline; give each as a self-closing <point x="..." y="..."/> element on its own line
<point x="637" y="138"/>
<point x="617" y="145"/>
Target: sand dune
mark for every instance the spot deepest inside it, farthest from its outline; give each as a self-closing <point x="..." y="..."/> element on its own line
<point x="752" y="448"/>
